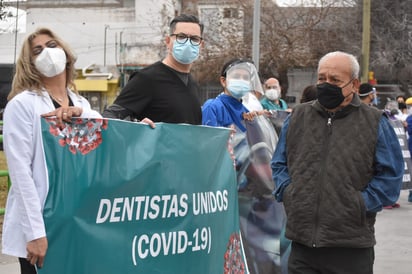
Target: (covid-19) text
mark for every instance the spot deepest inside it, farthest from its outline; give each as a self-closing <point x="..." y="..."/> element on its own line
<point x="151" y="207"/>
<point x="171" y="243"/>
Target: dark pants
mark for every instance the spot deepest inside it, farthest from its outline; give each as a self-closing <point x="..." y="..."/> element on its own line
<point x="26" y="267"/>
<point x="330" y="260"/>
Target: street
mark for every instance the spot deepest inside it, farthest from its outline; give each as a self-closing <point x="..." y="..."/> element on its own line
<point x="393" y="251"/>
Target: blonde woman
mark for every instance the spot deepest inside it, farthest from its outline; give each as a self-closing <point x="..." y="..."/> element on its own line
<point x="43" y="85"/>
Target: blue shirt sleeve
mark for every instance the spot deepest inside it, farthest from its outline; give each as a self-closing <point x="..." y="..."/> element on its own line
<point x="385" y="186"/>
<point x="280" y="173"/>
<point x="209" y="114"/>
<point x="409" y="122"/>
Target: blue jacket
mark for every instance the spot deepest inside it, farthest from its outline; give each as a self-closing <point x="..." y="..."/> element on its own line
<point x="223" y="111"/>
<point x="409" y="129"/>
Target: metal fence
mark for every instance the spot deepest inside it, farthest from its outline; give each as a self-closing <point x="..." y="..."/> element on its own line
<point x="208" y="91"/>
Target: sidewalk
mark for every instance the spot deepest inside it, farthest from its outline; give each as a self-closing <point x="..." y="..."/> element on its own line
<point x="393" y="251"/>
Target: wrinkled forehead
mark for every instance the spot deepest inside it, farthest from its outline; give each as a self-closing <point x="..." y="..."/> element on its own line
<point x="335" y="66"/>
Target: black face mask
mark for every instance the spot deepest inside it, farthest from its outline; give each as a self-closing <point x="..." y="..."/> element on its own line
<point x="330" y="96"/>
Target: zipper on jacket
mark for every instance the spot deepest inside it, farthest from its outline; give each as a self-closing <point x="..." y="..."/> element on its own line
<point x="329" y="123"/>
<point x="328" y="132"/>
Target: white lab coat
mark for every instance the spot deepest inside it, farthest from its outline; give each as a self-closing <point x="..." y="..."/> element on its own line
<point x="23" y="146"/>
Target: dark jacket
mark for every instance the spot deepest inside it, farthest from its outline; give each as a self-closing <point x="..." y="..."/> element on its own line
<point x="330" y="161"/>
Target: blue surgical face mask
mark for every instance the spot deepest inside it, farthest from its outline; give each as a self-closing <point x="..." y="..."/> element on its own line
<point x="238" y="88"/>
<point x="185" y="53"/>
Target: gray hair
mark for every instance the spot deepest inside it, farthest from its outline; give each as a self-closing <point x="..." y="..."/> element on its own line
<point x="354" y="62"/>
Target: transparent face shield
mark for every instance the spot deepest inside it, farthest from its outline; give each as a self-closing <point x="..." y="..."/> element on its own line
<point x="247" y="72"/>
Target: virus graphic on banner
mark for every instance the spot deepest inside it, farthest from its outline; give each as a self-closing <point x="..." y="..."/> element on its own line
<point x="83" y="135"/>
<point x="234" y="263"/>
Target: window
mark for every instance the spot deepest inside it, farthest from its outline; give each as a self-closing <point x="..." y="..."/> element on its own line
<point x="230" y="13"/>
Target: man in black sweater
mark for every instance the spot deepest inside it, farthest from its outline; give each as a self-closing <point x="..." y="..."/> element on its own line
<point x="165" y="91"/>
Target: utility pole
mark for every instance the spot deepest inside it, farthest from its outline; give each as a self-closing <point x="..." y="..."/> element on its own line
<point x="256" y="32"/>
<point x="105" y="44"/>
<point x="366" y="26"/>
<point x="16" y="30"/>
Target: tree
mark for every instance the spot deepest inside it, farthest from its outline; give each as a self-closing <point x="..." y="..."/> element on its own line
<point x="290" y="37"/>
<point x="391" y="42"/>
<point x="2" y="10"/>
<point x="296" y="37"/>
<point x="224" y="39"/>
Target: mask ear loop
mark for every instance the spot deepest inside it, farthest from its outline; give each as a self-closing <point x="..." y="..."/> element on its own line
<point x="347" y="84"/>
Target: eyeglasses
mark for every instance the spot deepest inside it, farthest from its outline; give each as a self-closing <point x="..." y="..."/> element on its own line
<point x="181" y="38"/>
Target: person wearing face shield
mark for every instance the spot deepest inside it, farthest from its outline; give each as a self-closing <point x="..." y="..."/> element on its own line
<point x="338" y="162"/>
<point x="165" y="91"/>
<point x="367" y="94"/>
<point x="272" y="100"/>
<point x="238" y="78"/>
<point x="253" y="142"/>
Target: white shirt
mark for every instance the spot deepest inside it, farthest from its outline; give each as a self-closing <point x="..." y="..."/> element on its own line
<point x="23" y="221"/>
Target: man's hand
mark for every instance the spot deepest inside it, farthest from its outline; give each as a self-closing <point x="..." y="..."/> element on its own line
<point x="149" y="122"/>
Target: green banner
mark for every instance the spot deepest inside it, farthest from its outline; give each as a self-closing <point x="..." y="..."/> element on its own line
<point x="126" y="198"/>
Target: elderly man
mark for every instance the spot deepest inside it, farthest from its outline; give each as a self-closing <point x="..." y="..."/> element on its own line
<point x="272" y="100"/>
<point x="338" y="162"/>
<point x="165" y="91"/>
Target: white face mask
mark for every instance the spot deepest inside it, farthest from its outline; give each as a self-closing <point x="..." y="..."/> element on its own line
<point x="51" y="62"/>
<point x="272" y="94"/>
